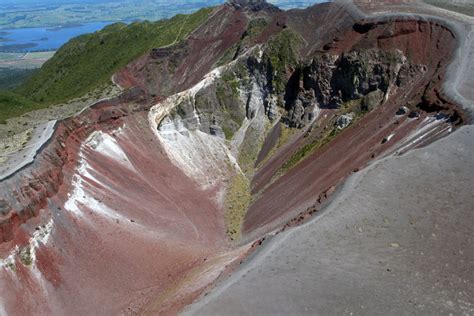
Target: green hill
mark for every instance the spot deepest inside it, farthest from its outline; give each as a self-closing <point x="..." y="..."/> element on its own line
<point x="88" y="61"/>
<point x="13" y="77"/>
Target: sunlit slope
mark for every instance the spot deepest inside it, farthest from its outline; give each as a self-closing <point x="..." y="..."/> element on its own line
<point x="88" y="61"/>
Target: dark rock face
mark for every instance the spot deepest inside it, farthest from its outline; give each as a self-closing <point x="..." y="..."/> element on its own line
<point x="303" y="109"/>
<point x="318" y="77"/>
<point x="331" y="80"/>
<point x="372" y="100"/>
<point x="355" y="74"/>
<point x="344" y="81"/>
<point x="327" y="81"/>
<point x="420" y="42"/>
<point x="253" y="5"/>
<point x="221" y="108"/>
<point x="402" y="111"/>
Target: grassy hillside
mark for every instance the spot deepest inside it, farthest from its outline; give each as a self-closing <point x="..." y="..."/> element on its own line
<point x="88" y="61"/>
<point x="13" y="77"/>
<point x="12" y="105"/>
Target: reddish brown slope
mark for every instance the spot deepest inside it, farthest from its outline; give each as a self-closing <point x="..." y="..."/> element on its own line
<point x="425" y="43"/>
<point x="166" y="70"/>
<point x="25" y="193"/>
<point x="122" y="224"/>
<point x="112" y="246"/>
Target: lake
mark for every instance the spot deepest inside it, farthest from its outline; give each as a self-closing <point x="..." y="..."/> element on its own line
<point x="22" y="40"/>
<point x="43" y="38"/>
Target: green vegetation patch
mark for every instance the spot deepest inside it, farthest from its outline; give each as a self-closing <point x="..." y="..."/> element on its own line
<point x="237" y="201"/>
<point x="307" y="149"/>
<point x="285" y="135"/>
<point x="230" y="114"/>
<point x="239" y="197"/>
<point x="249" y="150"/>
<point x="11" y="265"/>
<point x="88" y="61"/>
<point x="231" y="81"/>
<point x="282" y="52"/>
<point x="25" y="256"/>
<point x="12" y="105"/>
<point x="13" y="77"/>
<point x="352" y="106"/>
<point x="228" y="132"/>
<point x="255" y="28"/>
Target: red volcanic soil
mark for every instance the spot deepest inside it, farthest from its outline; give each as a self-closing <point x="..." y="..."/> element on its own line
<point x="156" y="224"/>
<point x="423" y="42"/>
<point x="166" y="71"/>
<point x="119" y="228"/>
<point x="127" y="224"/>
<point x="117" y="248"/>
<point x="320" y="24"/>
<point x="27" y="192"/>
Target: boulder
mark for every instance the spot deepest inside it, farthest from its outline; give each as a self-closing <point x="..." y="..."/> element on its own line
<point x="344" y="120"/>
<point x="216" y="130"/>
<point x="271" y="107"/>
<point x="372" y="100"/>
<point x="402" y="111"/>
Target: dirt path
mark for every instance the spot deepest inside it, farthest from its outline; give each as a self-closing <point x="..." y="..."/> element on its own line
<point x="19" y="157"/>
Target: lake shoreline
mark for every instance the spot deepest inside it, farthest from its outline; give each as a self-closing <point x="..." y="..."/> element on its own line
<point x="48" y="38"/>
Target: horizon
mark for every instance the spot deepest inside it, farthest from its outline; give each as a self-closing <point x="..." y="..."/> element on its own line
<point x="46" y="13"/>
<point x="203" y="3"/>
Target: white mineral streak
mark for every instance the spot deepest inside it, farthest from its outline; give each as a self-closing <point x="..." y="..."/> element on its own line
<point x="40" y="237"/>
<point x="202" y="157"/>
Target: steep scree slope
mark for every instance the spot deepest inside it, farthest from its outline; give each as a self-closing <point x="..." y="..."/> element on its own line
<point x="427" y="46"/>
<point x="139" y="203"/>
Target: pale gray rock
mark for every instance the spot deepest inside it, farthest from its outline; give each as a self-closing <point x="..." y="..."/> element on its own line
<point x="397" y="240"/>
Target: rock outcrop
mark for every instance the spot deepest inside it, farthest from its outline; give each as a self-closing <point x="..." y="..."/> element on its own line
<point x="329" y="81"/>
<point x="225" y="136"/>
<point x="253" y="5"/>
<point x="403" y="61"/>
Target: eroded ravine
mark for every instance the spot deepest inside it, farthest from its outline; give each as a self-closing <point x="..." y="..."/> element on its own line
<point x="127" y="208"/>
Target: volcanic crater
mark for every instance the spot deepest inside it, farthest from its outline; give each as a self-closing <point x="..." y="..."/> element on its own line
<point x="249" y="127"/>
